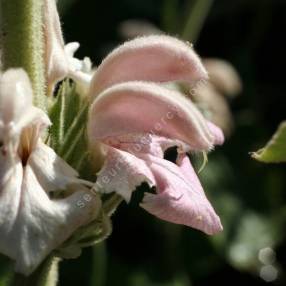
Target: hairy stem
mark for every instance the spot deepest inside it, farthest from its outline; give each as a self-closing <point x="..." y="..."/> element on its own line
<point x="22" y="42"/>
<point x="45" y="275"/>
<point x="99" y="265"/>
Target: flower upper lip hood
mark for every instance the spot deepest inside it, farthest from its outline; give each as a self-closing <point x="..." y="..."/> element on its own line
<point x="60" y="60"/>
<point x="143" y="104"/>
<point x="32" y="224"/>
<point x="152" y="58"/>
<point x="134" y="119"/>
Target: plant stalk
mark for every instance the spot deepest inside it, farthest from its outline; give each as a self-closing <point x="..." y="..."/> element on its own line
<point x="22" y="42"/>
<point x="45" y="275"/>
<point x="194" y="24"/>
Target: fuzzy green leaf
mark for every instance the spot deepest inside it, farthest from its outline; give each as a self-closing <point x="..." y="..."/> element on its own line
<point x="68" y="131"/>
<point x="275" y="150"/>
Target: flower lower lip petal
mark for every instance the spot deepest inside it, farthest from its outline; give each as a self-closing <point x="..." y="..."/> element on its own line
<point x="180" y="197"/>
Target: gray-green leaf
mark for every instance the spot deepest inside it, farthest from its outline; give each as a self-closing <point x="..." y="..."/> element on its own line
<point x="275" y="150"/>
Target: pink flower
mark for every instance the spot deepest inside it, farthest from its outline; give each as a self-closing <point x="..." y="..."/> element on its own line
<point x="34" y="219"/>
<point x="134" y="119"/>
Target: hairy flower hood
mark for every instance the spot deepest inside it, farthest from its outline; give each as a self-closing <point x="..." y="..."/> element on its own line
<point x="60" y="60"/>
<point x="32" y="224"/>
<point x="134" y="118"/>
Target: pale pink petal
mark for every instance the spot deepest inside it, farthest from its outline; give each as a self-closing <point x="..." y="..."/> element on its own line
<point x="139" y="107"/>
<point x="223" y="76"/>
<point x="153" y="58"/>
<point x="122" y="172"/>
<point x="180" y="197"/>
<point x="16" y="110"/>
<point x="11" y="175"/>
<point x="79" y="70"/>
<point x="217" y="133"/>
<point x="216" y="105"/>
<point x="52" y="172"/>
<point x="31" y="224"/>
<point x="57" y="66"/>
<point x="41" y="224"/>
<point x="15" y="95"/>
<point x="138" y="144"/>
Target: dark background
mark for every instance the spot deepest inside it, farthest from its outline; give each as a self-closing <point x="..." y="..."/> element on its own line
<point x="248" y="195"/>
